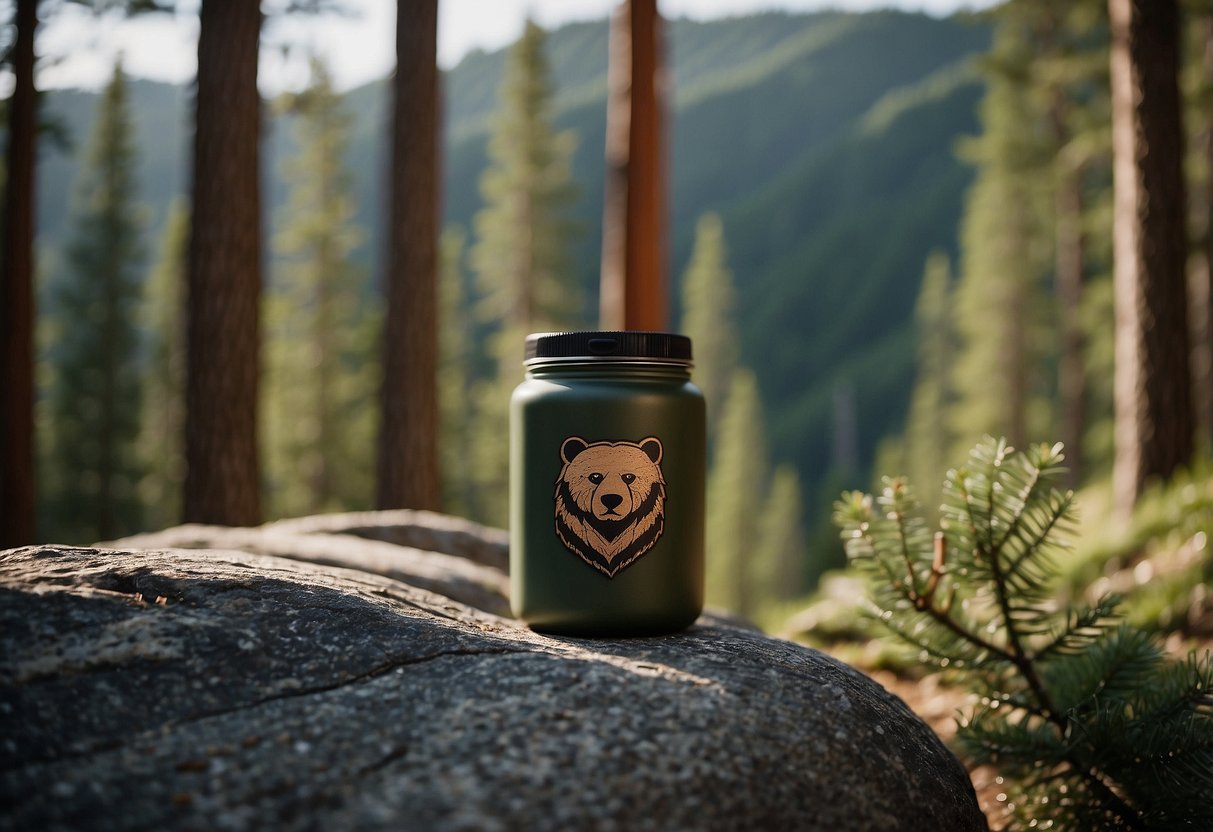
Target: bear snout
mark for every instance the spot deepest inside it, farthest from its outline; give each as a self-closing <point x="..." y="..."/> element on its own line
<point x="611" y="501"/>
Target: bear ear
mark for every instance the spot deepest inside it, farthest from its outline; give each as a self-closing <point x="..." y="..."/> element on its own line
<point x="571" y="447"/>
<point x="652" y="448"/>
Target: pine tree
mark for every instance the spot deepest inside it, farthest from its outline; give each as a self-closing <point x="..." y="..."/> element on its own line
<point x="17" y="290"/>
<point x="454" y="375"/>
<point x="781" y="553"/>
<point x="1154" y="419"/>
<point x="524" y="273"/>
<point x="1065" y="81"/>
<point x="319" y="388"/>
<point x="1198" y="80"/>
<point x="1093" y="726"/>
<point x="408" y="473"/>
<point x="737" y="489"/>
<point x="707" y="316"/>
<point x="1034" y="216"/>
<point x="224" y="272"/>
<point x="633" y="284"/>
<point x="928" y="439"/>
<point x="95" y="400"/>
<point x="521" y="256"/>
<point x="1000" y="378"/>
<point x="162" y="422"/>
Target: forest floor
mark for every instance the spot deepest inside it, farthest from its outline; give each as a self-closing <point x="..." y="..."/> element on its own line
<point x="940" y="704"/>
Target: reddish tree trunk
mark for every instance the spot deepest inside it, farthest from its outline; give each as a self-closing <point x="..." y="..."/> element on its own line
<point x="408" y="474"/>
<point x="17" y="297"/>
<point x="1154" y="433"/>
<point x="634" y="290"/>
<point x="222" y="480"/>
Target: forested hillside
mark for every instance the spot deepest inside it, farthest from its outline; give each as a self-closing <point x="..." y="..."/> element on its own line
<point x="825" y="142"/>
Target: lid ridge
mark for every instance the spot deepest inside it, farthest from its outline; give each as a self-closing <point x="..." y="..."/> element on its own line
<point x="619" y="344"/>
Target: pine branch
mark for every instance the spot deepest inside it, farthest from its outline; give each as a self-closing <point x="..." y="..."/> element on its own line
<point x="1082" y="627"/>
<point x="869" y="545"/>
<point x="1073" y="698"/>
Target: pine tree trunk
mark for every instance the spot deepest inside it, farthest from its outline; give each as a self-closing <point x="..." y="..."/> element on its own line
<point x="222" y="481"/>
<point x="1154" y="433"/>
<point x="634" y="294"/>
<point x="1201" y="276"/>
<point x="17" y="297"/>
<point x="408" y="432"/>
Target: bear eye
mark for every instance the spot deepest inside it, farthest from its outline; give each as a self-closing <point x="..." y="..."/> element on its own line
<point x="595" y="478"/>
<point x="629" y="478"/>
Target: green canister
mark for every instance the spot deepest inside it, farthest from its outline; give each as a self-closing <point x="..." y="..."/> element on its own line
<point x="607" y="443"/>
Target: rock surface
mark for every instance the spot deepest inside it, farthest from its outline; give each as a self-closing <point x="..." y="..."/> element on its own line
<point x="209" y="689"/>
<point x="442" y="570"/>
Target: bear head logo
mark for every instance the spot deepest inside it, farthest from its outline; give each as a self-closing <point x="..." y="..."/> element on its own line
<point x="610" y="500"/>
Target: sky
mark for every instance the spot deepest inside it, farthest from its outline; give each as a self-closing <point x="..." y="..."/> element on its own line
<point x="80" y="50"/>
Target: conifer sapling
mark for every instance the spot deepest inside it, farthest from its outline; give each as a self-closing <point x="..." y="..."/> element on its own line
<point x="1092" y="724"/>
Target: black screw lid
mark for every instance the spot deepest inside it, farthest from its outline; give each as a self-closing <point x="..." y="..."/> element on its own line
<point x="653" y="346"/>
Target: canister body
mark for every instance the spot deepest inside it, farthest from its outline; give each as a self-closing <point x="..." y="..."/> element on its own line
<point x="607" y="498"/>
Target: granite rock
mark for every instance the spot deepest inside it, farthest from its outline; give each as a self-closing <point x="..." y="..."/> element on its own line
<point x="444" y="568"/>
<point x="209" y="689"/>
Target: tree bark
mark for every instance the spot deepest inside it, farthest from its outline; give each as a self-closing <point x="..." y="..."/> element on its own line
<point x="17" y="297"/>
<point x="1201" y="276"/>
<point x="408" y="475"/>
<point x="222" y="481"/>
<point x="634" y="287"/>
<point x="1153" y="402"/>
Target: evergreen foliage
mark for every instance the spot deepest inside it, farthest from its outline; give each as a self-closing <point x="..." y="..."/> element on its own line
<point x="1005" y="242"/>
<point x="1034" y="231"/>
<point x="455" y="369"/>
<point x="162" y="421"/>
<point x="756" y="540"/>
<point x="522" y="255"/>
<point x="708" y="316"/>
<point x="320" y="375"/>
<point x="928" y="436"/>
<point x="737" y="489"/>
<point x="779" y="560"/>
<point x="1094" y="724"/>
<point x="94" y="400"/>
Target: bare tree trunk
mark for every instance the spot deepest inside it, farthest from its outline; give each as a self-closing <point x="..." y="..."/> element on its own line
<point x="1200" y="278"/>
<point x="17" y="296"/>
<point x="408" y="433"/>
<point x="634" y="287"/>
<point x="1153" y="399"/>
<point x="222" y="480"/>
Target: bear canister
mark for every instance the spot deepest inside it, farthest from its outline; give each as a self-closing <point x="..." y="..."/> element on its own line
<point x="607" y="442"/>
